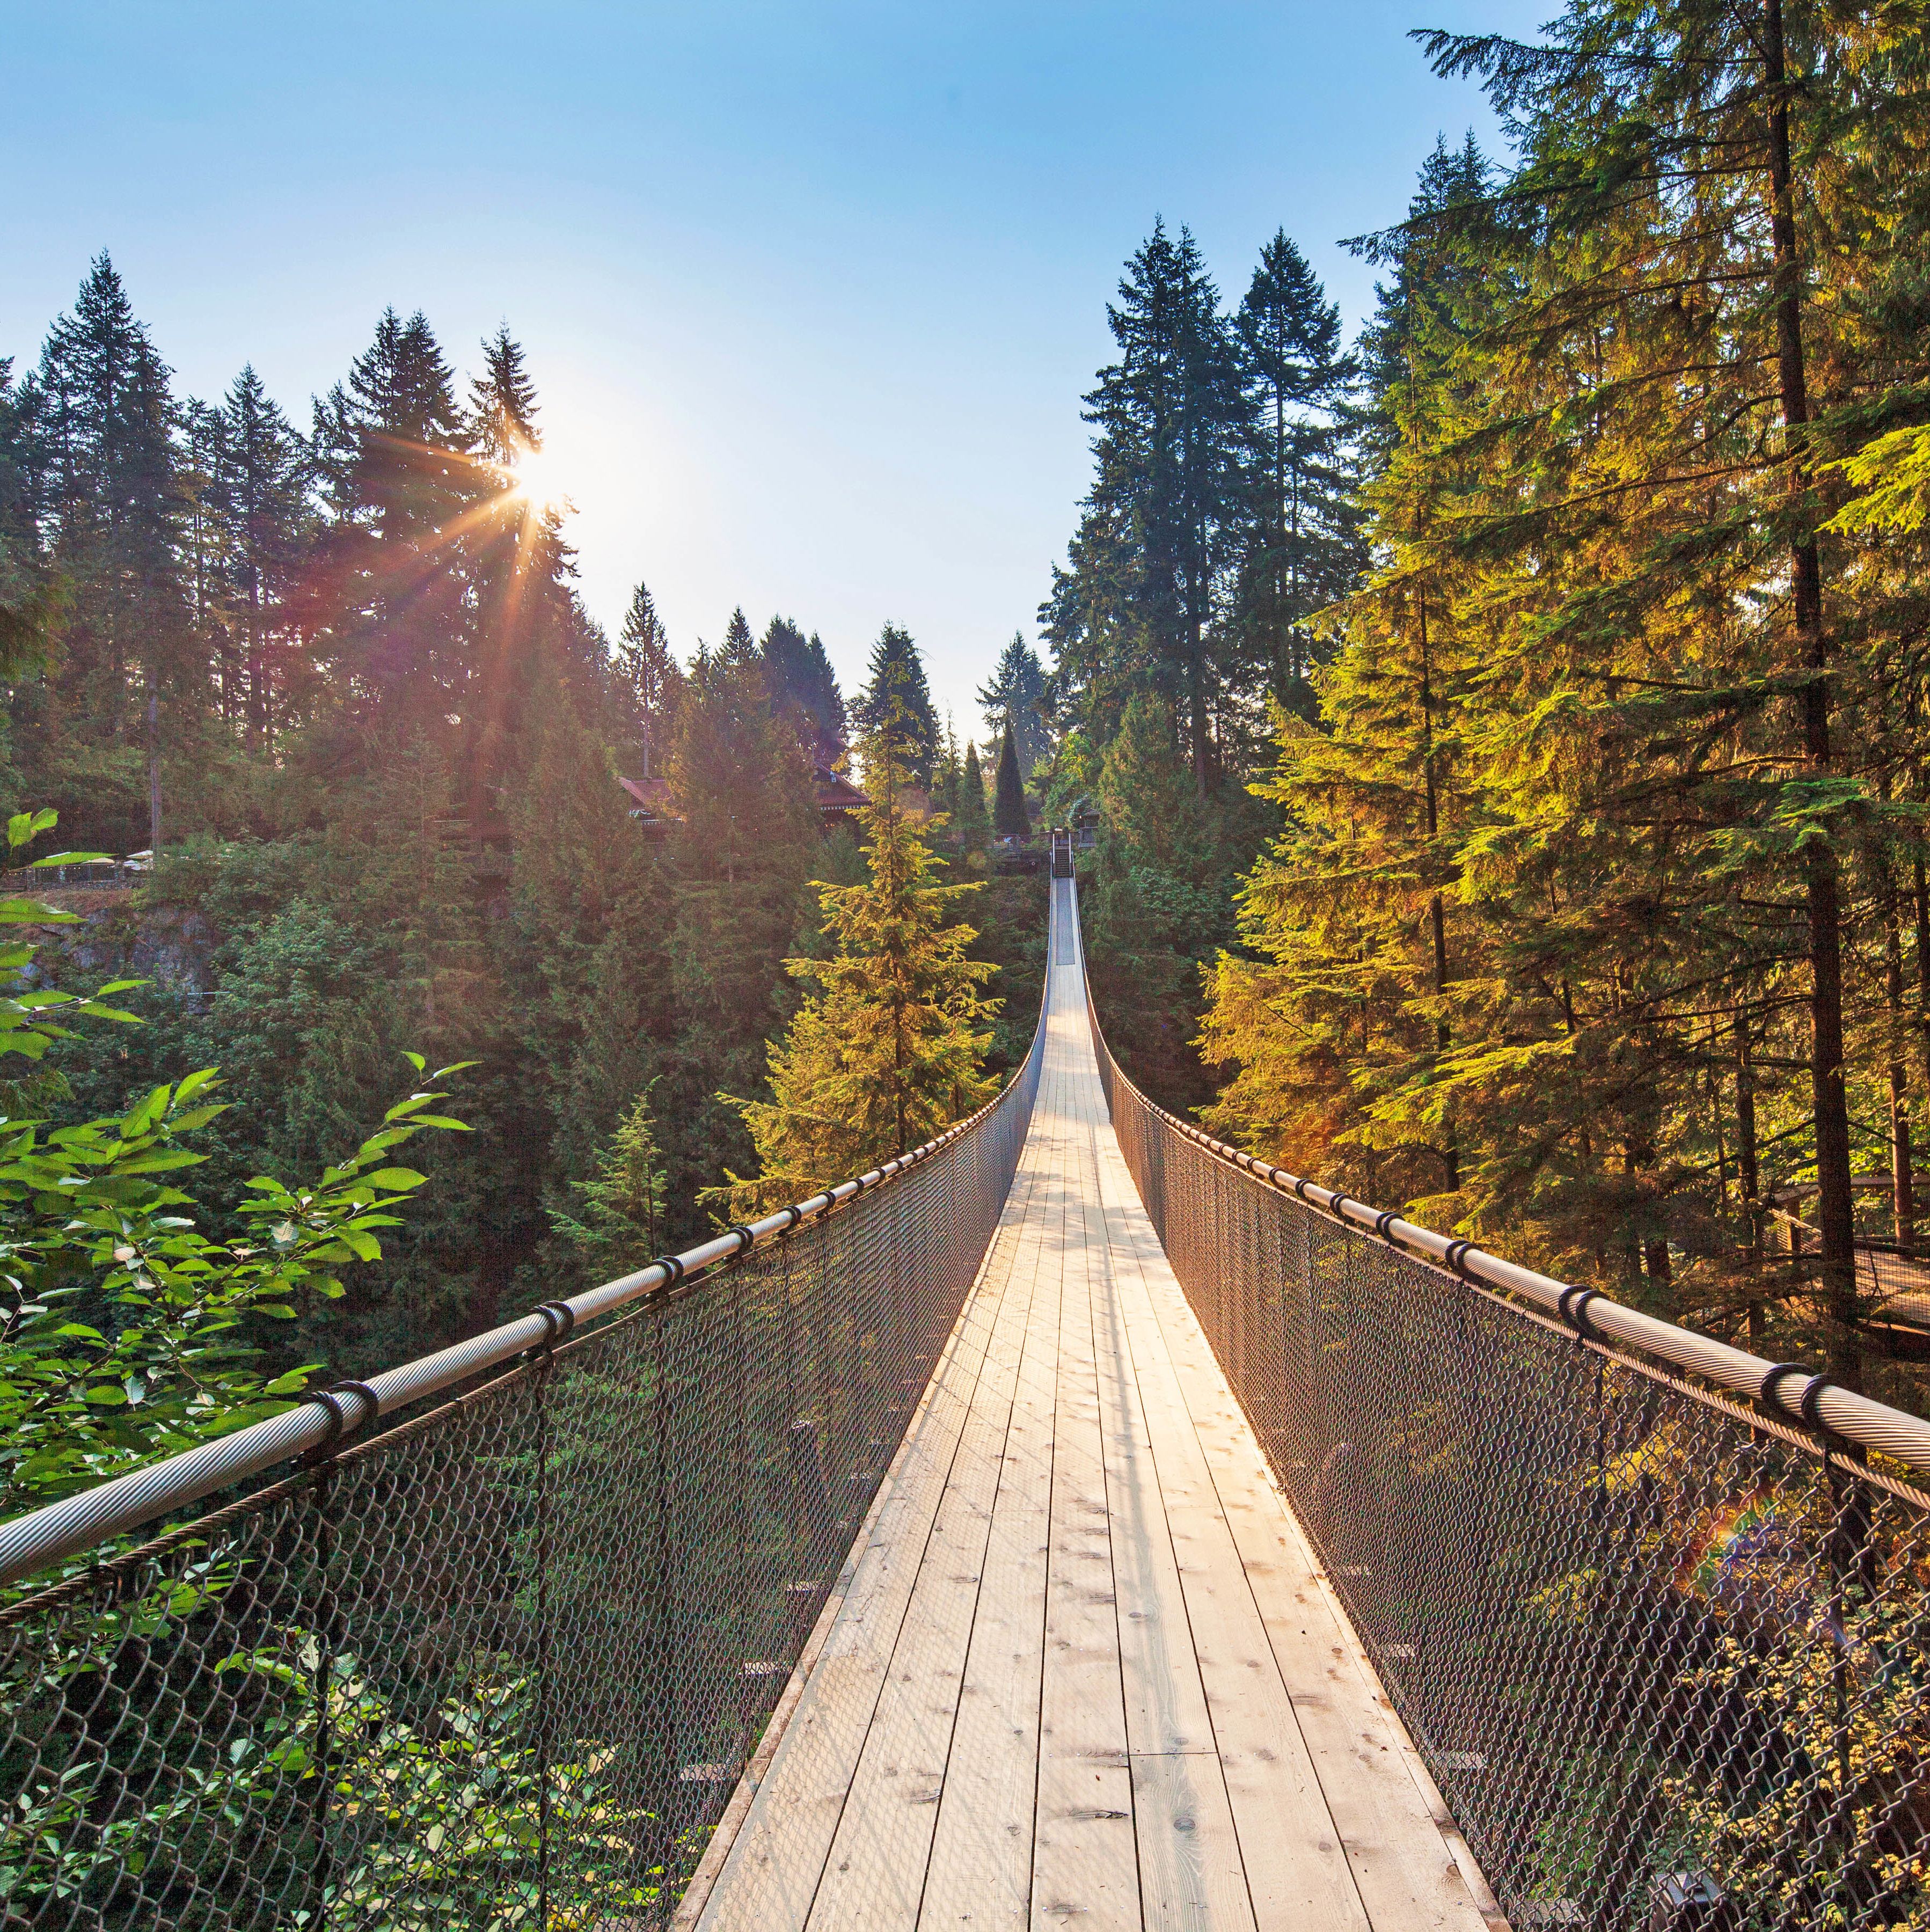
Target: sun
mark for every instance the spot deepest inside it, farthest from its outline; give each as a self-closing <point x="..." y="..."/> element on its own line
<point x="535" y="478"/>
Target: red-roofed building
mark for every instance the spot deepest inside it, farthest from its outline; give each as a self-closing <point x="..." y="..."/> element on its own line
<point x="654" y="809"/>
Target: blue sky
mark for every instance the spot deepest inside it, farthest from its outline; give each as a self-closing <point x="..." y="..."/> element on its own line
<point x="811" y="290"/>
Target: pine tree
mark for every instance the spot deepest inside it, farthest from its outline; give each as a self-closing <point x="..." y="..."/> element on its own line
<point x="897" y="698"/>
<point x="621" y="1224"/>
<point x="1138" y="608"/>
<point x="1009" y="818"/>
<point x="392" y="449"/>
<point x="1015" y="694"/>
<point x="972" y="825"/>
<point x="802" y="683"/>
<point x="110" y="482"/>
<point x="649" y="676"/>
<point x="25" y="591"/>
<point x="887" y="1051"/>
<point x="1304" y="551"/>
<point x="260" y="484"/>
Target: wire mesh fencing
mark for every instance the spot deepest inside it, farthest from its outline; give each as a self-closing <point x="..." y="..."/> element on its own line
<point x="502" y="1666"/>
<point x="1667" y="1658"/>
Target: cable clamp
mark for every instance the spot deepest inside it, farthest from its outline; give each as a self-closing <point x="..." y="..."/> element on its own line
<point x="1456" y="1259"/>
<point x="746" y="1240"/>
<point x="673" y="1268"/>
<point x="331" y="1400"/>
<point x="797" y="1215"/>
<point x="1381" y="1221"/>
<point x="1572" y="1307"/>
<point x="559" y="1318"/>
<point x="1810" y="1407"/>
<point x="1772" y="1379"/>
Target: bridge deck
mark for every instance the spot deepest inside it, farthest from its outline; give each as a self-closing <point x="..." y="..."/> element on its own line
<point x="1082" y="1667"/>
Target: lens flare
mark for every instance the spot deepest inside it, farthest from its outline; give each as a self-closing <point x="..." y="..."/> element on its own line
<point x="533" y="477"/>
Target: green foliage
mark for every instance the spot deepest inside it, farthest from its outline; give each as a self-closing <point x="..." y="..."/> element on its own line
<point x="621" y="1223"/>
<point x="1009" y="818"/>
<point x="887" y="1052"/>
<point x="127" y="1328"/>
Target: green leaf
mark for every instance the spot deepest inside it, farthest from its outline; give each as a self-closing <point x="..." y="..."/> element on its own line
<point x="394" y="1176"/>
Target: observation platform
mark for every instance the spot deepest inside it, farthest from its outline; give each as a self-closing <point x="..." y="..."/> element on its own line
<point x="1082" y="1667"/>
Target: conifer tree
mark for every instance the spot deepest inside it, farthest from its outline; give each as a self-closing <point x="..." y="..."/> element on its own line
<point x="25" y="599"/>
<point x="972" y="824"/>
<point x="1137" y="609"/>
<point x="109" y="481"/>
<point x="259" y="483"/>
<point x="1304" y="551"/>
<point x="1009" y="818"/>
<point x="649" y="676"/>
<point x="621" y="1222"/>
<point x="888" y="1050"/>
<point x="803" y="684"/>
<point x="392" y="449"/>
<point x="1016" y="694"/>
<point x="897" y="700"/>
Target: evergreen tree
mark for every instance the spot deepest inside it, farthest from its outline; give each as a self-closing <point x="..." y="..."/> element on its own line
<point x="392" y="449"/>
<point x="1138" y="608"/>
<point x="259" y="485"/>
<point x="25" y="604"/>
<point x="111" y="497"/>
<point x="1015" y="694"/>
<point x="972" y="825"/>
<point x="887" y="1051"/>
<point x="1304" y="551"/>
<point x="649" y="676"/>
<point x="803" y="684"/>
<point x="897" y="699"/>
<point x="621" y="1224"/>
<point x="1009" y="818"/>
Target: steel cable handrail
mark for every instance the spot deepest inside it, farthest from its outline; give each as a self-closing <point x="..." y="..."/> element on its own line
<point x="1804" y="1398"/>
<point x="1663" y="1651"/>
<point x="44" y="1536"/>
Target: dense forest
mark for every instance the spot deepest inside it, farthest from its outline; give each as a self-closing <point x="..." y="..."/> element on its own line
<point x="1572" y="627"/>
<point x="1505" y="730"/>
<point x="337" y="679"/>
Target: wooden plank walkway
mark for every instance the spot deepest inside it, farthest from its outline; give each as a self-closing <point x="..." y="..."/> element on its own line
<point x="1082" y="1669"/>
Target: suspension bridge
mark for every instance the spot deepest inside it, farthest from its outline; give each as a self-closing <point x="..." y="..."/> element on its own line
<point x="1075" y="1522"/>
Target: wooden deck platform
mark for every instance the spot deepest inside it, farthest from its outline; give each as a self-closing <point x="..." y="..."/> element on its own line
<point x="1082" y="1669"/>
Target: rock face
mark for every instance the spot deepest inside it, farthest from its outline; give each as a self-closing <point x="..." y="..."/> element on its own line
<point x="117" y="939"/>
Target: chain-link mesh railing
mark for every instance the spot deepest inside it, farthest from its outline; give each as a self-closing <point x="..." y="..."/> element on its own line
<point x="501" y="1666"/>
<point x="1667" y="1654"/>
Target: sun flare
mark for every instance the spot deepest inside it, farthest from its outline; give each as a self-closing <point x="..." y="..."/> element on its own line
<point x="535" y="478"/>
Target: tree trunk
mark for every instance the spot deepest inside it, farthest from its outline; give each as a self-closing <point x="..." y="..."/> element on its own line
<point x="154" y="770"/>
<point x="1901" y="1178"/>
<point x="1836" y="1264"/>
<point x="1450" y="1154"/>
<point x="1747" y="1169"/>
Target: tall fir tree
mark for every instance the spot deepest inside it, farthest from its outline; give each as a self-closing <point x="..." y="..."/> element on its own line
<point x="897" y="699"/>
<point x="1139" y="608"/>
<point x="889" y="1048"/>
<point x="1009" y="818"/>
<point x="649" y="677"/>
<point x="1304" y="551"/>
<point x="973" y="827"/>
<point x="1015" y="694"/>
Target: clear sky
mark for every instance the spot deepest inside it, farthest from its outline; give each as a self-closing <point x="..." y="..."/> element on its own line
<point x="812" y="288"/>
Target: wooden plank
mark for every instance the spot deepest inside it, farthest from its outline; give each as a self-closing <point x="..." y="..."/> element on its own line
<point x="1296" y="1871"/>
<point x="1402" y="1863"/>
<point x="1085" y="1861"/>
<point x="771" y="1874"/>
<point x="981" y="1871"/>
<point x="1191" y="1874"/>
<point x="875" y="1875"/>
